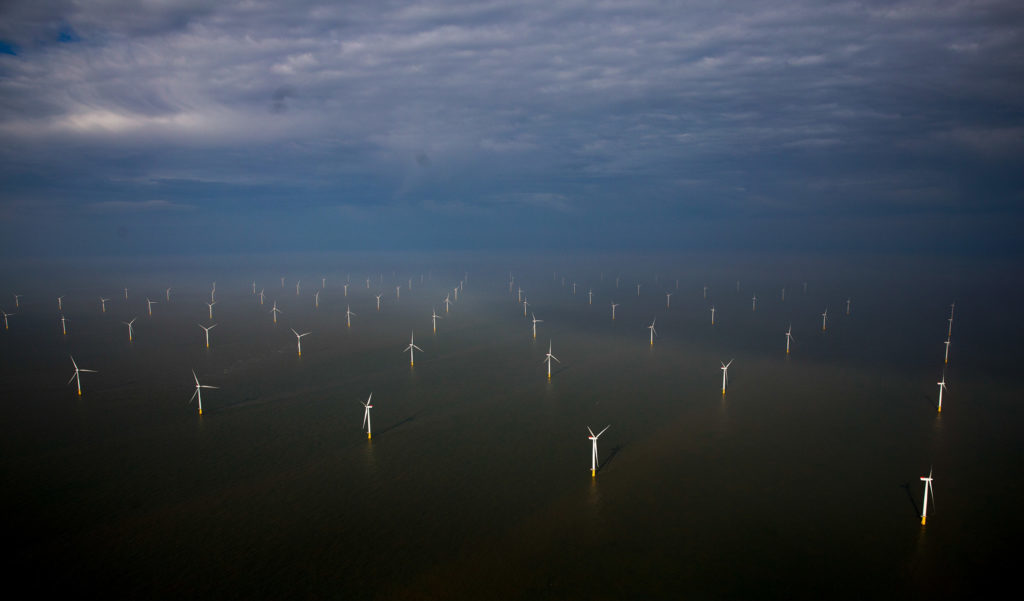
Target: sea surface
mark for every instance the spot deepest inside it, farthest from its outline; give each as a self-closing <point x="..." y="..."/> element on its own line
<point x="802" y="481"/>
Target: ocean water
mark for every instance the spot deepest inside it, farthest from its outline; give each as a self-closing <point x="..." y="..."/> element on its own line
<point x="802" y="481"/>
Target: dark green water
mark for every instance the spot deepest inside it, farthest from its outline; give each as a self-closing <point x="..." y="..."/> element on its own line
<point x="801" y="482"/>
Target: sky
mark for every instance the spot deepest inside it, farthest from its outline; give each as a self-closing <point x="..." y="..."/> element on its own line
<point x="164" y="127"/>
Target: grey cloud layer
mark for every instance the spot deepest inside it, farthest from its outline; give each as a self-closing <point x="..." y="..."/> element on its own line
<point x="798" y="107"/>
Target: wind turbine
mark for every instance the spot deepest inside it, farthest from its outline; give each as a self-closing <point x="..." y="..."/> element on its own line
<point x="668" y="300"/>
<point x="103" y="304"/>
<point x="346" y="290"/>
<point x="254" y="286"/>
<point x="653" y="331"/>
<point x="210" y="305"/>
<point x="282" y="282"/>
<point x="261" y="296"/>
<point x="378" y="301"/>
<point x="207" y="330"/>
<point x="398" y="293"/>
<point x="125" y="294"/>
<point x="275" y="311"/>
<point x="77" y="377"/>
<point x="712" y="315"/>
<point x="949" y="334"/>
<point x="316" y="299"/>
<point x="783" y="294"/>
<point x="17" y="304"/>
<point x="590" y="296"/>
<point x="129" y="324"/>
<point x="593" y="453"/>
<point x="63" y="327"/>
<point x="297" y="284"/>
<point x="638" y="289"/>
<point x="947" y="350"/>
<point x="323" y="282"/>
<point x="167" y="293"/>
<point x="434" y="317"/>
<point x="547" y="359"/>
<point x="447" y="301"/>
<point x="456" y="294"/>
<point x="705" y="291"/>
<point x="298" y="339"/>
<point x="574" y="288"/>
<point x="929" y="489"/>
<point x="198" y="395"/>
<point x="847" y="306"/>
<point x="412" y="345"/>
<point x="725" y="375"/>
<point x="789" y="337"/>
<point x="824" y="318"/>
<point x="366" y="416"/>
<point x="60" y="303"/>
<point x="753" y="303"/>
<point x="614" y="304"/>
<point x="6" y="314"/>
<point x="942" y="386"/>
<point x="535" y="322"/>
<point x="524" y="307"/>
<point x="519" y="294"/>
<point x="149" y="305"/>
<point x="348" y="316"/>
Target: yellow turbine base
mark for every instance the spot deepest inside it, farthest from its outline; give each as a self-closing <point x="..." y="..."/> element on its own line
<point x="200" y="412"/>
<point x="79" y="393"/>
<point x="940" y="409"/>
<point x="593" y="473"/>
<point x="787" y="351"/>
<point x="207" y="345"/>
<point x="300" y="353"/>
<point x="368" y="436"/>
<point x="923" y="518"/>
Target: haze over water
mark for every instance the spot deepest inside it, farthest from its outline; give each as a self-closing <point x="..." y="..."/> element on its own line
<point x="801" y="482"/>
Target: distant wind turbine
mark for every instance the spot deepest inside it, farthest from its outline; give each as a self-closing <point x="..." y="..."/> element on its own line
<point x="274" y="311"/>
<point x="928" y="490"/>
<point x="947" y="351"/>
<point x="316" y="299"/>
<point x="725" y="375"/>
<point x="378" y="301"/>
<point x="824" y="319"/>
<point x="210" y="305"/>
<point x="789" y="337"/>
<point x="17" y="303"/>
<point x="593" y="453"/>
<point x="653" y="331"/>
<point x="614" y="304"/>
<point x="167" y="294"/>
<point x="524" y="307"/>
<point x="60" y="303"/>
<point x="590" y="296"/>
<point x="942" y="386"/>
<point x="149" y="305"/>
<point x="712" y="315"/>
<point x="129" y="324"/>
<point x="298" y="339"/>
<point x="207" y="330"/>
<point x="198" y="395"/>
<point x="434" y="317"/>
<point x="411" y="347"/>
<point x="103" y="304"/>
<point x="76" y="376"/>
<point x="261" y="296"/>
<point x="63" y="327"/>
<point x="6" y="315"/>
<point x="366" y="416"/>
<point x="668" y="300"/>
<point x="348" y="316"/>
<point x="535" y="322"/>
<point x="447" y="301"/>
<point x="547" y="359"/>
<point x="753" y="303"/>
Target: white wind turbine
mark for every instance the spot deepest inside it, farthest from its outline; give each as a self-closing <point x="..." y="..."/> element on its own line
<point x="207" y="330"/>
<point x="614" y="304"/>
<point x="398" y="293"/>
<point x="125" y="294"/>
<point x="519" y="294"/>
<point x="378" y="301"/>
<point x="789" y="337"/>
<point x="947" y="350"/>
<point x="366" y="416"/>
<point x="130" y="330"/>
<point x="847" y="306"/>
<point x="638" y="289"/>
<point x="590" y="296"/>
<point x="524" y="307"/>
<point x="593" y="452"/>
<point x="323" y="282"/>
<point x="547" y="359"/>
<point x="712" y="315"/>
<point x="149" y="305"/>
<point x="412" y="345"/>
<point x="198" y="395"/>
<point x="297" y="284"/>
<point x="282" y="282"/>
<point x="254" y="286"/>
<point x="6" y="315"/>
<point x="346" y="290"/>
<point x="668" y="300"/>
<point x="456" y="290"/>
<point x="316" y="299"/>
<point x="77" y="376"/>
<point x="705" y="291"/>
<point x="949" y="334"/>
<point x="783" y="294"/>
<point x="653" y="331"/>
<point x="167" y="294"/>
<point x="275" y="311"/>
<point x="447" y="301"/>
<point x="434" y="317"/>
<point x="17" y="304"/>
<point x="63" y="327"/>
<point x="929" y="489"/>
<point x="725" y="375"/>
<point x="824" y="319"/>
<point x="753" y="303"/>
<point x="535" y="322"/>
<point x="210" y="305"/>
<point x="103" y="304"/>
<point x="298" y="339"/>
<point x="348" y="316"/>
<point x="942" y="386"/>
<point x="261" y="296"/>
<point x="60" y="303"/>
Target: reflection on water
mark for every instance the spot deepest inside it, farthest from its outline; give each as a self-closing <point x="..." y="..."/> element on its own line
<point x="477" y="477"/>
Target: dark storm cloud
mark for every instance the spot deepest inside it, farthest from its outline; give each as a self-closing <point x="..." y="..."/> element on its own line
<point x="584" y="108"/>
